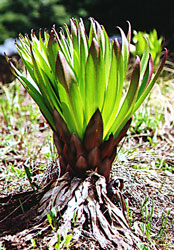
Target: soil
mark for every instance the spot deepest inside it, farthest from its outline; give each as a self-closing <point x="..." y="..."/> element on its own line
<point x="141" y="181"/>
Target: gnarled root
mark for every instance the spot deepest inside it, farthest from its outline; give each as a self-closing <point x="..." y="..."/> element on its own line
<point x="96" y="215"/>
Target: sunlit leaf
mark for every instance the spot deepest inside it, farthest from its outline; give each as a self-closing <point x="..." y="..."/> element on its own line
<point x="80" y="77"/>
<point x="151" y="83"/>
<point x="126" y="109"/>
<point x="63" y="71"/>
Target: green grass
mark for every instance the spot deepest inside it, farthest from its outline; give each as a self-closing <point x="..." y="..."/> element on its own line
<point x="62" y="241"/>
<point x="146" y="224"/>
<point x="150" y="129"/>
<point x="25" y="138"/>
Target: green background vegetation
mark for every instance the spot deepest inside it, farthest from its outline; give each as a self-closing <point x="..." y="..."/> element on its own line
<point x="21" y="16"/>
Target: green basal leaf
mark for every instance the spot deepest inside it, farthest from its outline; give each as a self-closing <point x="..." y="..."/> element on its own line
<point x="41" y="78"/>
<point x="83" y="44"/>
<point x="79" y="75"/>
<point x="78" y="108"/>
<point x="111" y="94"/>
<point x="24" y="51"/>
<point x="65" y="46"/>
<point x="77" y="67"/>
<point x="125" y="51"/>
<point x="43" y="63"/>
<point x="46" y="36"/>
<point x="90" y="84"/>
<point x="67" y="114"/>
<point x="118" y="90"/>
<point x="151" y="83"/>
<point x="129" y="33"/>
<point x="68" y="39"/>
<point x="107" y="54"/>
<point x="144" y="59"/>
<point x="69" y="118"/>
<point x="147" y="76"/>
<point x="95" y="80"/>
<point x="70" y="114"/>
<point x="125" y="111"/>
<point x="100" y="80"/>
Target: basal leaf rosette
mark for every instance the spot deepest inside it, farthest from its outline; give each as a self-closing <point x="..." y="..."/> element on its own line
<point x="77" y="81"/>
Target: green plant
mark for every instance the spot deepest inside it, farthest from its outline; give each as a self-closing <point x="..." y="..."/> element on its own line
<point x="52" y="218"/>
<point x="164" y="226"/>
<point x="147" y="214"/>
<point x="29" y="176"/>
<point x="129" y="213"/>
<point x="20" y="15"/>
<point x="77" y="82"/>
<point x="13" y="171"/>
<point x="33" y="243"/>
<point x="13" y="108"/>
<point x="142" y="246"/>
<point x="146" y="226"/>
<point x="155" y="44"/>
<point x="11" y="104"/>
<point x="146" y="121"/>
<point x="63" y="240"/>
<point x="2" y="248"/>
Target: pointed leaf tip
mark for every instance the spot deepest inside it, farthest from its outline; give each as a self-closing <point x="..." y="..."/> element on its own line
<point x="136" y="70"/>
<point x="73" y="26"/>
<point x="94" y="49"/>
<point x="137" y="60"/>
<point x="64" y="73"/>
<point x="116" y="47"/>
<point x="164" y="57"/>
<point x="129" y="32"/>
<point x="78" y="146"/>
<point x="81" y="164"/>
<point x="94" y="131"/>
<point x="150" y="69"/>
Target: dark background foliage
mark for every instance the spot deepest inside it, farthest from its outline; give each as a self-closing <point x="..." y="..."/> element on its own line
<point x="22" y="15"/>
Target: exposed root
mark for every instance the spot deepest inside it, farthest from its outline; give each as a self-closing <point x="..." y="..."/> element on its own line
<point x="96" y="215"/>
<point x="84" y="207"/>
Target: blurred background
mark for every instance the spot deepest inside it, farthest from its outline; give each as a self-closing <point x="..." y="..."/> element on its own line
<point x="20" y="16"/>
